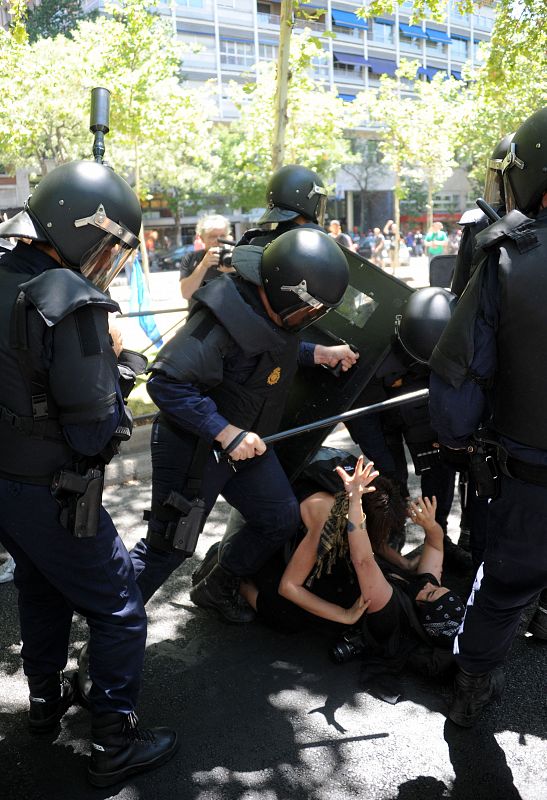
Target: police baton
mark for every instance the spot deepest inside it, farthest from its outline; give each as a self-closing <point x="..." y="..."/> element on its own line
<point x="375" y="408"/>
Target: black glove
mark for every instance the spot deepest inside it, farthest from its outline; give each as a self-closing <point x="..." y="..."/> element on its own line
<point x="130" y="364"/>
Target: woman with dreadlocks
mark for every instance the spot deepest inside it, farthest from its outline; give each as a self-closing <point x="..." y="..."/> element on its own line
<point x="335" y="574"/>
<point x="319" y="584"/>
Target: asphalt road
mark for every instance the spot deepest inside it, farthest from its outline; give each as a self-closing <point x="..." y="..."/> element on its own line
<point x="264" y="716"/>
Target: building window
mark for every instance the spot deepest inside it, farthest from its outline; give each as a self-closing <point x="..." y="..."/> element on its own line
<point x="263" y="8"/>
<point x="436" y="49"/>
<point x="347" y="68"/>
<point x="446" y="202"/>
<point x="353" y="33"/>
<point x="190" y="3"/>
<point x="382" y="33"/>
<point x="320" y="66"/>
<point x="410" y="45"/>
<point x="458" y="49"/>
<point x="236" y="54"/>
<point x="267" y="52"/>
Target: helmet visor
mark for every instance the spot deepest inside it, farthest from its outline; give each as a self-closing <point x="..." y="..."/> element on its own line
<point x="321" y="210"/>
<point x="298" y="318"/>
<point x="493" y="183"/>
<point x="103" y="262"/>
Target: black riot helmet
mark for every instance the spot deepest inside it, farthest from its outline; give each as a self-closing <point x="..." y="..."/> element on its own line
<point x="295" y="191"/>
<point x="525" y="165"/>
<point x="88" y="214"/>
<point x="424" y="318"/>
<point x="304" y="274"/>
<point x="494" y="193"/>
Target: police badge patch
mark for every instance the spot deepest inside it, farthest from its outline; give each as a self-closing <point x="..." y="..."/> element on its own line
<point x="274" y="376"/>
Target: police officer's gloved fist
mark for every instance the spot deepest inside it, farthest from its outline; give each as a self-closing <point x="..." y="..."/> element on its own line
<point x="239" y="444"/>
<point x="121" y="434"/>
<point x="130" y="364"/>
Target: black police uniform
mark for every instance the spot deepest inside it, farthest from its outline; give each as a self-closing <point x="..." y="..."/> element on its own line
<point x="229" y="362"/>
<point x="59" y="407"/>
<point x="488" y="368"/>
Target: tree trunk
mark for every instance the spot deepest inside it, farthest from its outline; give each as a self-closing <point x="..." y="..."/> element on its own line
<point x="142" y="245"/>
<point x="397" y="220"/>
<point x="282" y="84"/>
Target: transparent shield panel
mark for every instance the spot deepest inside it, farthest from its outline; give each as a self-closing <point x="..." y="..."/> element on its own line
<point x="356" y="307"/>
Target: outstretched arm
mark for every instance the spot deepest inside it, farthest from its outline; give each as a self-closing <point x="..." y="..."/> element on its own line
<point x="422" y="512"/>
<point x="374" y="587"/>
<point x="315" y="511"/>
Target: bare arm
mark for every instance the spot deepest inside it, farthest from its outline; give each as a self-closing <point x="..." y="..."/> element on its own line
<point x="422" y="512"/>
<point x="374" y="587"/>
<point x="192" y="282"/>
<point x="315" y="511"/>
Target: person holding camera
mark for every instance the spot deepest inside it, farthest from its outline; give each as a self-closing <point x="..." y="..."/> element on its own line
<point x="203" y="265"/>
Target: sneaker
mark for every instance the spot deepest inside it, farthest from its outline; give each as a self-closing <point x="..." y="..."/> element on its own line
<point x="6" y="570"/>
<point x="473" y="693"/>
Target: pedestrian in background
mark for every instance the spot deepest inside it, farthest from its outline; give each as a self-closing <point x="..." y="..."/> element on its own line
<point x="436" y="241"/>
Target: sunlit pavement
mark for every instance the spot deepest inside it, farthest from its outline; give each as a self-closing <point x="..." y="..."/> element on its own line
<point x="268" y="717"/>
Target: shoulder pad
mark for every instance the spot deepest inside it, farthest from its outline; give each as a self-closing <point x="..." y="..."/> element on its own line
<point x="56" y="293"/>
<point x="513" y="225"/>
<point x="252" y="233"/>
<point x="472" y="216"/>
<point x="252" y="333"/>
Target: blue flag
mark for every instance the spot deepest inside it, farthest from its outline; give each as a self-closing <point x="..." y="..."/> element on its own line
<point x="139" y="299"/>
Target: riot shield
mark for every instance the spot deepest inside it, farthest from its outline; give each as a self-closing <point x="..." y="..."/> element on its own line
<point x="441" y="271"/>
<point x="366" y="321"/>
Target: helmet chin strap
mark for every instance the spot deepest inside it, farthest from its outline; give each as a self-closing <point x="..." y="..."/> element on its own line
<point x="50" y="251"/>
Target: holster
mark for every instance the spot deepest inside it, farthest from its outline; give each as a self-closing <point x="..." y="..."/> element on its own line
<point x="183" y="515"/>
<point x="184" y="531"/>
<point x="483" y="464"/>
<point x="80" y="498"/>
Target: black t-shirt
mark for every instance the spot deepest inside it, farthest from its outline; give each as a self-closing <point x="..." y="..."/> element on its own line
<point x="190" y="262"/>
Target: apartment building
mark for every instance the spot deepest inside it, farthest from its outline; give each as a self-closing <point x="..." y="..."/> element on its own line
<point x="226" y="39"/>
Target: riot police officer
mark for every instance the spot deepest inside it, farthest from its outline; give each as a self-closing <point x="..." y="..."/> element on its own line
<point x="221" y="383"/>
<point x="475" y="509"/>
<point x="61" y="417"/>
<point x="488" y="369"/>
<point x="295" y="196"/>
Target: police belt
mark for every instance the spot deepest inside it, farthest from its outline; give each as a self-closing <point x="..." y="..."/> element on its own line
<point x="522" y="470"/>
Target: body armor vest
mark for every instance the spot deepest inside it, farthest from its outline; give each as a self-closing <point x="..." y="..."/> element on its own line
<point x="520" y="384"/>
<point x="258" y="404"/>
<point x="31" y="305"/>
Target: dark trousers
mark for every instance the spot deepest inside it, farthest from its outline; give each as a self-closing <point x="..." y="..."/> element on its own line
<point x="259" y="490"/>
<point x="57" y="574"/>
<point x="512" y="576"/>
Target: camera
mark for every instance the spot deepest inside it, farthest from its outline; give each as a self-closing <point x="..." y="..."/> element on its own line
<point x="350" y="646"/>
<point x="225" y="254"/>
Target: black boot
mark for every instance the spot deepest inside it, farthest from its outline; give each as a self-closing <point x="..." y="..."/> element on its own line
<point x="120" y="748"/>
<point x="209" y="561"/>
<point x="455" y="556"/>
<point x="219" y="590"/>
<point x="473" y="693"/>
<point x="50" y="697"/>
<point x="538" y="624"/>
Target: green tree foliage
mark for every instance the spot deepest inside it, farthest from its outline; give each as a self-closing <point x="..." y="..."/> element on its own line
<point x="315" y="132"/>
<point x="510" y="85"/>
<point x="52" y="17"/>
